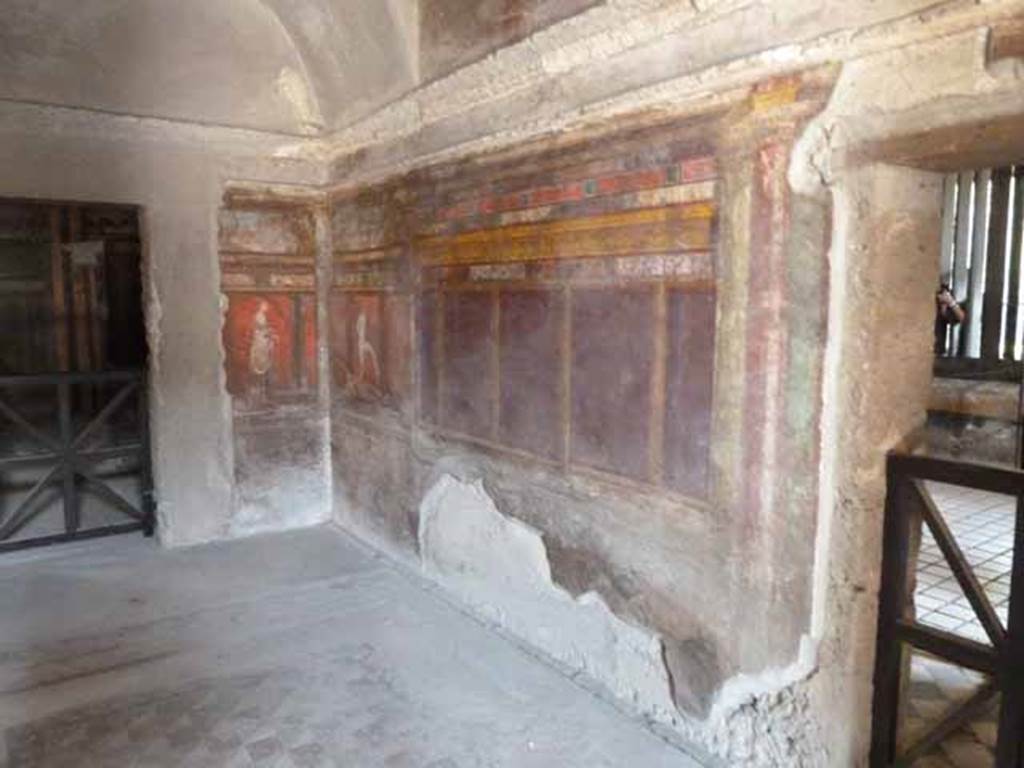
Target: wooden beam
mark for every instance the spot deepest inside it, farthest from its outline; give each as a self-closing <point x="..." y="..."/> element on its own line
<point x="892" y="603"/>
<point x="1010" y="744"/>
<point x="67" y="437"/>
<point x="949" y="647"/>
<point x="985" y="477"/>
<point x="108" y="410"/>
<point x="25" y="512"/>
<point x="962" y="570"/>
<point x="58" y="295"/>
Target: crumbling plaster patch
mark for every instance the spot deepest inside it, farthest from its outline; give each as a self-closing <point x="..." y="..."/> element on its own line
<point x="499" y="566"/>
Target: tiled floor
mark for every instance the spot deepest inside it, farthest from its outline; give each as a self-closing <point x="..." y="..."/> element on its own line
<point x="982" y="524"/>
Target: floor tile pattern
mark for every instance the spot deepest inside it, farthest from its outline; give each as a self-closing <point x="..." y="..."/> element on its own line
<point x="982" y="524"/>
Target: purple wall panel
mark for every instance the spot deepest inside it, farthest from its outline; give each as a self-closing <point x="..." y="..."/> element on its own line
<point x="428" y="356"/>
<point x="531" y="371"/>
<point x="468" y="393"/>
<point x="689" y="380"/>
<point x="612" y="364"/>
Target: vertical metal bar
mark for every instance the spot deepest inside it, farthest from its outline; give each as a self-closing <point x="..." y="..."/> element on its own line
<point x="67" y="436"/>
<point x="58" y="295"/>
<point x="948" y="226"/>
<point x="148" y="504"/>
<point x="979" y="255"/>
<point x="891" y="607"/>
<point x="962" y="254"/>
<point x="964" y="230"/>
<point x="992" y="312"/>
<point x="1013" y="316"/>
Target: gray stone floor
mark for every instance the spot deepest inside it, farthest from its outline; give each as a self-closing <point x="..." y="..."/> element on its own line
<point x="300" y="649"/>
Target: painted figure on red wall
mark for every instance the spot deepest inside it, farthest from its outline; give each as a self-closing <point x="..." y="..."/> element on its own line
<point x="270" y="359"/>
<point x="369" y="338"/>
<point x="364" y="381"/>
<point x="261" y="356"/>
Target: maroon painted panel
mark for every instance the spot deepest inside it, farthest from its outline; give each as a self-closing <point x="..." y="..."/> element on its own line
<point x="397" y="346"/>
<point x="612" y="365"/>
<point x="428" y="356"/>
<point x="531" y="364"/>
<point x="468" y="393"/>
<point x="689" y="379"/>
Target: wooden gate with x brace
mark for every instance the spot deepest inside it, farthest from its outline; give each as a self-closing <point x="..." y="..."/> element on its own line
<point x="70" y="457"/>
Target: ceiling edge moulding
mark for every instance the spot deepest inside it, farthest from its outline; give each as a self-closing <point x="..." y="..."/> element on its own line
<point x="22" y="113"/>
<point x="408" y="134"/>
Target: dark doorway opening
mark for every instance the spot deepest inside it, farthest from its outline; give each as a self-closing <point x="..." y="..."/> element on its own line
<point x="74" y="447"/>
<point x="949" y="677"/>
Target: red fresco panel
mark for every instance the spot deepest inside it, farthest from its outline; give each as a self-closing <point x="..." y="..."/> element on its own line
<point x="369" y="346"/>
<point x="309" y="352"/>
<point x="531" y="365"/>
<point x="397" y="348"/>
<point x="612" y="364"/>
<point x="468" y="395"/>
<point x="689" y="380"/>
<point x="259" y="341"/>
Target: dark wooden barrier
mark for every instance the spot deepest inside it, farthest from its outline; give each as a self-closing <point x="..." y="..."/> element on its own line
<point x="1001" y="659"/>
<point x="68" y="459"/>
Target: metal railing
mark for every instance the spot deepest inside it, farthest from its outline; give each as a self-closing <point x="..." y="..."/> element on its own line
<point x="69" y="455"/>
<point x="1000" y="660"/>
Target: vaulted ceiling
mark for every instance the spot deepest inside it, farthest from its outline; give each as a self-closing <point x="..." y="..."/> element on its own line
<point x="293" y="66"/>
<point x="299" y="67"/>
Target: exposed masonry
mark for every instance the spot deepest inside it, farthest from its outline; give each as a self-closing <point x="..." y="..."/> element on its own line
<point x="499" y="567"/>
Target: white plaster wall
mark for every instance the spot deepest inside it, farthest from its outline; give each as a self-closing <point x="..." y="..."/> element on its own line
<point x="177" y="174"/>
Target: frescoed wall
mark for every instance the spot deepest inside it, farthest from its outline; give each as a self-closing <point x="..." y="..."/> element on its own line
<point x="270" y="337"/>
<point x="549" y="319"/>
<point x="614" y="340"/>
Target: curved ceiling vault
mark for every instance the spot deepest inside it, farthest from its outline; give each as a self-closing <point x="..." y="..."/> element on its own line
<point x="274" y="65"/>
